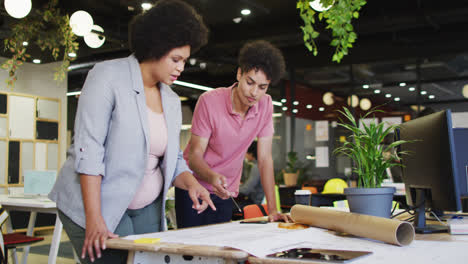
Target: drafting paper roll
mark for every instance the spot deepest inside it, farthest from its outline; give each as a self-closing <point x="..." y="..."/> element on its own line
<point x="387" y="230"/>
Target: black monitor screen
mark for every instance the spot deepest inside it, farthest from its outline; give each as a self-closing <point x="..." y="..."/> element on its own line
<point x="430" y="171"/>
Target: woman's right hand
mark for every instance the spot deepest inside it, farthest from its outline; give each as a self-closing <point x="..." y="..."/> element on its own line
<point x="95" y="237"/>
<point x="219" y="184"/>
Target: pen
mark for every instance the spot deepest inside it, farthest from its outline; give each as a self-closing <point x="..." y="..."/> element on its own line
<point x="234" y="201"/>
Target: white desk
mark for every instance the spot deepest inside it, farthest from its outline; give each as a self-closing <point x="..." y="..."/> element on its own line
<point x="33" y="205"/>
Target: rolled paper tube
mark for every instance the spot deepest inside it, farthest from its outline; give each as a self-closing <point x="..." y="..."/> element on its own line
<point x="387" y="230"/>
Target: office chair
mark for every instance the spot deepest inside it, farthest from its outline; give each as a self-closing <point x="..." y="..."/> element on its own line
<point x="13" y="240"/>
<point x="255" y="210"/>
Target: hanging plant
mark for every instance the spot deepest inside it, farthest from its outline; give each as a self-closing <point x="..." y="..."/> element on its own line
<point x="338" y="19"/>
<point x="48" y="29"/>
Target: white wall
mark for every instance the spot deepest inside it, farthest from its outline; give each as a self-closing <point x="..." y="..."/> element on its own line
<point x="38" y="79"/>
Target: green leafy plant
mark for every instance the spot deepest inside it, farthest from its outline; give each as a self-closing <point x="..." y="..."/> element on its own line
<point x="339" y="20"/>
<point x="365" y="147"/>
<point x="293" y="164"/>
<point x="49" y="30"/>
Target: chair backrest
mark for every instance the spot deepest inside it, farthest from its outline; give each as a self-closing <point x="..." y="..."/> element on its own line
<point x="254" y="210"/>
<point x="312" y="189"/>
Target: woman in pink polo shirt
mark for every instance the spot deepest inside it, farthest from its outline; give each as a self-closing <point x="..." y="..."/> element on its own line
<point x="225" y="122"/>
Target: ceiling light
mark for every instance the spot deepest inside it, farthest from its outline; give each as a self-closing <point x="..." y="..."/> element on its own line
<point x="277" y="114"/>
<point x="295" y="111"/>
<point x="365" y="86"/>
<point x="295" y="103"/>
<point x="81" y="23"/>
<point x="365" y="104"/>
<point x="72" y="54"/>
<point x="397" y="99"/>
<point x="183" y="98"/>
<point x="25" y="43"/>
<point x="192" y="61"/>
<point x="202" y="65"/>
<point x="245" y="12"/>
<point x="411" y="89"/>
<point x="388" y="95"/>
<point x="283" y="100"/>
<point x="328" y="98"/>
<point x="431" y="96"/>
<point x="353" y="100"/>
<point x="37" y="61"/>
<point x="423" y="92"/>
<point x="317" y="6"/>
<point x="130" y="8"/>
<point x="237" y="20"/>
<point x="95" y="40"/>
<point x="309" y="106"/>
<point x="18" y="8"/>
<point x="402" y="84"/>
<point x="465" y="91"/>
<point x="284" y="108"/>
<point x="321" y="109"/>
<point x="146" y="6"/>
<point x="377" y="91"/>
<point x="418" y="107"/>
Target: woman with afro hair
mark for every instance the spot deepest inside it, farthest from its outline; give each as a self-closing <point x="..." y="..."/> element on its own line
<point x="126" y="153"/>
<point x="224" y="124"/>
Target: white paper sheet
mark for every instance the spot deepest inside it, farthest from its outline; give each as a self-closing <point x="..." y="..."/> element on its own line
<point x="263" y="239"/>
<point x="321" y="157"/>
<point x="321" y="130"/>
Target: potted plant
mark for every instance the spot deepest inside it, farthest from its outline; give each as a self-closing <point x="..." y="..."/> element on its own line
<point x="293" y="169"/>
<point x="371" y="159"/>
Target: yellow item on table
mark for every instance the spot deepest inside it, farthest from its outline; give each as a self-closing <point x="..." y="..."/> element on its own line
<point x="147" y="240"/>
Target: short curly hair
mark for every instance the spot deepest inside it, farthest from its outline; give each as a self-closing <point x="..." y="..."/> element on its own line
<point x="167" y="25"/>
<point x="262" y="55"/>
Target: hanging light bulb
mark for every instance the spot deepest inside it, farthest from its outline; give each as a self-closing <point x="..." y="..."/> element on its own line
<point x="81" y="23"/>
<point x="18" y="8"/>
<point x="317" y="6"/>
<point x="327" y="98"/>
<point x="365" y="104"/>
<point x="353" y="100"/>
<point x="94" y="40"/>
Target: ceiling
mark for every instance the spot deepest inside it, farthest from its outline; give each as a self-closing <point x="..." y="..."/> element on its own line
<point x="410" y="41"/>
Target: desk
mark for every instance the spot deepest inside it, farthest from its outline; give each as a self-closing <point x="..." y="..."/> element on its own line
<point x="33" y="205"/>
<point x="327" y="199"/>
<point x="432" y="249"/>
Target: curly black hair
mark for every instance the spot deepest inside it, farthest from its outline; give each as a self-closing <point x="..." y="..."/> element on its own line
<point x="167" y="25"/>
<point x="262" y="55"/>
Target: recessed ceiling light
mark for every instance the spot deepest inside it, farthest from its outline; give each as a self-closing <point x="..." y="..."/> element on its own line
<point x="402" y="84"/>
<point x="202" y="65"/>
<point x="431" y="96"/>
<point x="397" y="99"/>
<point x="245" y="12"/>
<point x="192" y="61"/>
<point x="377" y="91"/>
<point x="284" y="108"/>
<point x="37" y="61"/>
<point x="25" y="43"/>
<point x="321" y="109"/>
<point x="365" y="86"/>
<point x="237" y="20"/>
<point x="130" y="8"/>
<point x="72" y="54"/>
<point x="309" y="106"/>
<point x="283" y="100"/>
<point x="388" y="95"/>
<point x="411" y="89"/>
<point x="423" y="92"/>
<point x="146" y="6"/>
<point x="295" y="103"/>
<point x="295" y="111"/>
<point x="183" y="98"/>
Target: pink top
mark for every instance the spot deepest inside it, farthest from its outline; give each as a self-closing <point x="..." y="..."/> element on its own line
<point x="229" y="134"/>
<point x="153" y="180"/>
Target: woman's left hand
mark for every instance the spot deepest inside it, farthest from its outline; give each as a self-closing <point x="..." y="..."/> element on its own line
<point x="196" y="191"/>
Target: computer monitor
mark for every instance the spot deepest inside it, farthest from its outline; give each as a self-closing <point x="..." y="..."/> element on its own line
<point x="430" y="170"/>
<point x="461" y="149"/>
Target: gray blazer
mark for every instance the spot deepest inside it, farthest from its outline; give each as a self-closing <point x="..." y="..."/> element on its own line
<point x="111" y="139"/>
